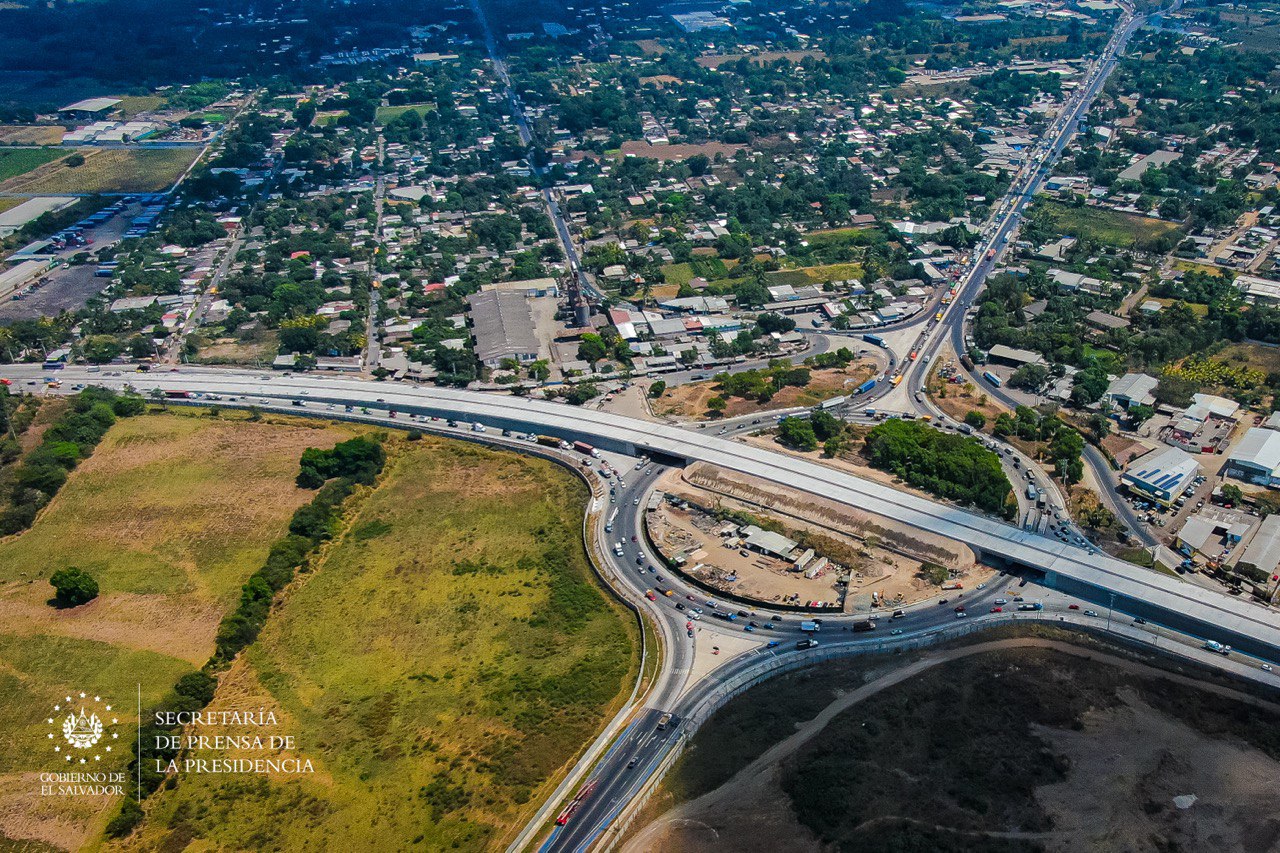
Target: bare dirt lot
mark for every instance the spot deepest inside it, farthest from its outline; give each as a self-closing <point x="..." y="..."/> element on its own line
<point x="879" y="557"/>
<point x="1054" y="748"/>
<point x="690" y="400"/>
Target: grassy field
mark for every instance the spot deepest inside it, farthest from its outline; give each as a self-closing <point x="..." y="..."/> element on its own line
<point x="491" y="659"/>
<point x="170" y="514"/>
<point x="388" y="114"/>
<point x="110" y="170"/>
<point x="1255" y="356"/>
<point x="1121" y="230"/>
<point x="131" y="105"/>
<point x="19" y="161"/>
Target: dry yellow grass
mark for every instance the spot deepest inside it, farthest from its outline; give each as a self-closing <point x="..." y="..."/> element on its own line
<point x="109" y="170"/>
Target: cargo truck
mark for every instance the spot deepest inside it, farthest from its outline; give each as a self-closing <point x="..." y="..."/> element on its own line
<point x="1034" y="605"/>
<point x="548" y="441"/>
<point x="833" y="402"/>
<point x="866" y="386"/>
<point x="874" y="339"/>
<point x="583" y="447"/>
<point x="810" y="625"/>
<point x="864" y="625"/>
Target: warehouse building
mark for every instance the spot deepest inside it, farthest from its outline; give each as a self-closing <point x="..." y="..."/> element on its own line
<point x="502" y="326"/>
<point x="1263" y="550"/>
<point x="1256" y="458"/>
<point x="1161" y="475"/>
<point x="26" y="272"/>
<point x="89" y="108"/>
<point x="767" y="542"/>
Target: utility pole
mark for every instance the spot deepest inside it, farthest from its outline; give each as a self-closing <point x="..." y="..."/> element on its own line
<point x="1111" y="607"/>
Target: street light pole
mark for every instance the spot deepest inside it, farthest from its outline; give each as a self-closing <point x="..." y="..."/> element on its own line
<point x="1111" y="607"/>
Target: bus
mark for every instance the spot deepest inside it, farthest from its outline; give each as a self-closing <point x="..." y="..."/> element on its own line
<point x="992" y="378"/>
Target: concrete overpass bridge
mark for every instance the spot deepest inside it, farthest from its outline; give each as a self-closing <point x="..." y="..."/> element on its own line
<point x="1250" y="628"/>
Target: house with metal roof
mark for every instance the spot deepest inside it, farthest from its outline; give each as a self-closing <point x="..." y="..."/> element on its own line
<point x="1132" y="389"/>
<point x="1162" y="475"/>
<point x="502" y="326"/>
<point x="1256" y="458"/>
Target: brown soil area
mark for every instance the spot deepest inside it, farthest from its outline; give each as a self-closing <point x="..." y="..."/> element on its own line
<point x="762" y="58"/>
<point x="961" y="398"/>
<point x="677" y="151"/>
<point x="690" y="401"/>
<point x="883" y="554"/>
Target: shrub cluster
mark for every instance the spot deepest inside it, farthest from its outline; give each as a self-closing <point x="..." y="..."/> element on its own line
<point x="358" y="459"/>
<point x="950" y="466"/>
<point x="42" y="472"/>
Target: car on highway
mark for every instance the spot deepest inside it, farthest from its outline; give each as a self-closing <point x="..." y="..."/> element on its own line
<point x="997" y="609"/>
<point x="1093" y="613"/>
<point x="961" y="614"/>
<point x="1001" y="601"/>
<point x="1073" y="606"/>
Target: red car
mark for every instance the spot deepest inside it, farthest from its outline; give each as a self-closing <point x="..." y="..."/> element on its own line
<point x="1073" y="606"/>
<point x="997" y="610"/>
<point x="960" y="609"/>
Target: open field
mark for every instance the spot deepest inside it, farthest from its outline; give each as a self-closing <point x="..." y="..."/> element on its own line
<point x="387" y="114"/>
<point x="690" y="400"/>
<point x="9" y="203"/>
<point x="34" y="134"/>
<point x="678" y="150"/>
<point x="760" y="58"/>
<point x="235" y="351"/>
<point x="131" y="105"/>
<point x="490" y="660"/>
<point x="170" y="515"/>
<point x="19" y="161"/>
<point x="109" y="170"/>
<point x="1253" y="356"/>
<point x="1121" y="230"/>
<point x="1011" y="745"/>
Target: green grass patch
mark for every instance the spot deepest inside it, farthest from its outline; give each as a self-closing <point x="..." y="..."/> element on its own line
<point x="386" y="115"/>
<point x="19" y="161"/>
<point x="1110" y="227"/>
<point x="493" y="658"/>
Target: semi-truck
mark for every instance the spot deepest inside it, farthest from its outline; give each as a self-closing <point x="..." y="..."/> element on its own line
<point x="833" y="402"/>
<point x="874" y="339"/>
<point x="548" y="441"/>
<point x="992" y="378"/>
<point x="584" y="448"/>
<point x="866" y="386"/>
<point x="806" y="644"/>
<point x="810" y="625"/>
<point x="864" y="625"/>
<point x="576" y="803"/>
<point x="1033" y="605"/>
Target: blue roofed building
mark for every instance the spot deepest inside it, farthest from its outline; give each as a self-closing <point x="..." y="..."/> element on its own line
<point x="1161" y="475"/>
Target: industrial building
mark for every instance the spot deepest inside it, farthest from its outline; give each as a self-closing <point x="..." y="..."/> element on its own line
<point x="1132" y="389"/>
<point x="502" y="326"/>
<point x="1263" y="550"/>
<point x="89" y="108"/>
<point x="1161" y="475"/>
<point x="1256" y="458"/>
<point x="25" y="273"/>
<point x="767" y="542"/>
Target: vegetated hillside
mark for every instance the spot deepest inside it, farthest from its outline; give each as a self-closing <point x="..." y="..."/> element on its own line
<point x="446" y="657"/>
<point x="1042" y="747"/>
<point x="170" y="514"/>
<point x="950" y="466"/>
